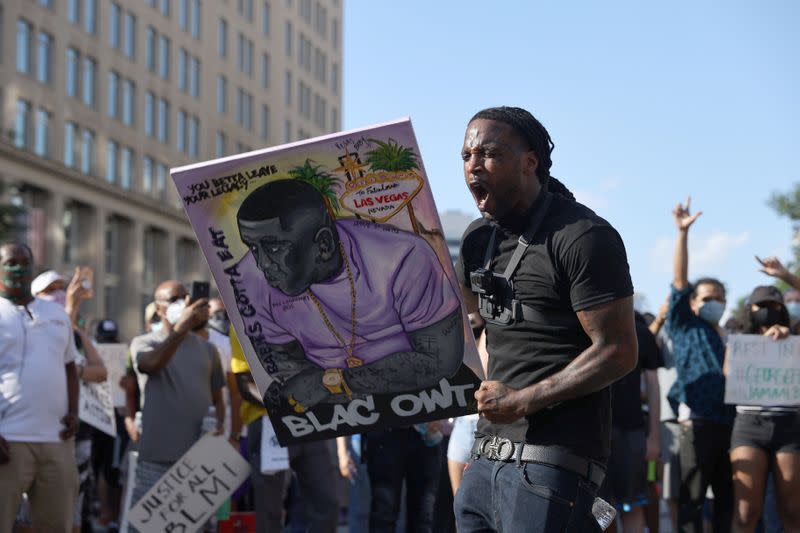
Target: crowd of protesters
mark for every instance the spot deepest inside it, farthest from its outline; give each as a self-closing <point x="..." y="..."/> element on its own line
<point x="675" y="443"/>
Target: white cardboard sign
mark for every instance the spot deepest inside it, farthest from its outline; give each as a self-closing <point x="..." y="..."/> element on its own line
<point x="113" y="356"/>
<point x="96" y="407"/>
<point x="762" y="371"/>
<point x="193" y="489"/>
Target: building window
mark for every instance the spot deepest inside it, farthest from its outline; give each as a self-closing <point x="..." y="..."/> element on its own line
<point x="265" y="16"/>
<point x="150" y="48"/>
<point x="24" y="32"/>
<point x="41" y="133"/>
<point x="147" y="174"/>
<point x="335" y="119"/>
<point x="87" y="152"/>
<point x="180" y="131"/>
<point x="335" y="33"/>
<point x="163" y="120"/>
<point x="130" y="35"/>
<point x="113" y="91"/>
<point x="196" y="21"/>
<point x="222" y="38"/>
<point x="165" y="7"/>
<point x="163" y="56"/>
<point x="265" y="71"/>
<point x="89" y="68"/>
<point x="287" y="88"/>
<point x="72" y="72"/>
<point x="126" y="168"/>
<point x="335" y="78"/>
<point x="128" y="102"/>
<point x="70" y="144"/>
<point x="287" y="131"/>
<point x="114" y="25"/>
<point x="222" y="94"/>
<point x="149" y="113"/>
<point x="194" y="137"/>
<point x="74" y="11"/>
<point x="194" y="77"/>
<point x="44" y="55"/>
<point x="288" y="38"/>
<point x="89" y="18"/>
<point x="161" y="180"/>
<point x="21" y="124"/>
<point x="220" y="144"/>
<point x="246" y="9"/>
<point x="69" y="224"/>
<point x="264" y="122"/>
<point x="183" y="14"/>
<point x="111" y="162"/>
<point x="183" y="69"/>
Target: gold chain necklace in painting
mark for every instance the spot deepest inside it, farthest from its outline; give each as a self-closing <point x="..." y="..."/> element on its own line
<point x="352" y="360"/>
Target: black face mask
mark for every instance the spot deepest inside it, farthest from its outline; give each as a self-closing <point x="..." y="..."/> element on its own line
<point x="766" y="317"/>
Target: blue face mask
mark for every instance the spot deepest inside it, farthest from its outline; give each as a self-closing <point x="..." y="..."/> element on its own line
<point x="711" y="311"/>
<point x="794" y="310"/>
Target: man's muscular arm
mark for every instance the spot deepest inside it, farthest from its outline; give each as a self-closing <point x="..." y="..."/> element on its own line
<point x="437" y="352"/>
<point x="613" y="354"/>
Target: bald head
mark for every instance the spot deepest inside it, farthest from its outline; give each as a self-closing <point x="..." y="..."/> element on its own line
<point x="168" y="290"/>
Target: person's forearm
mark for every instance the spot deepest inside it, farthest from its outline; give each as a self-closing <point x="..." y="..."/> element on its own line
<point x="653" y="402"/>
<point x="596" y="368"/>
<point x="95" y="370"/>
<point x="156" y="359"/>
<point x="438" y="351"/>
<point x="792" y="280"/>
<point x="72" y="388"/>
<point x="219" y="407"/>
<point x="247" y="389"/>
<point x="236" y="403"/>
<point x="680" y="277"/>
<point x="656" y="325"/>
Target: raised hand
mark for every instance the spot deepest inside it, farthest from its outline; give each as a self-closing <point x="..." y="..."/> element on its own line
<point x="194" y="315"/>
<point x="772" y="266"/>
<point x="682" y="215"/>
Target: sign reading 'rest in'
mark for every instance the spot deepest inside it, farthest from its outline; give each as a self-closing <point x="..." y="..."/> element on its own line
<point x="762" y="371"/>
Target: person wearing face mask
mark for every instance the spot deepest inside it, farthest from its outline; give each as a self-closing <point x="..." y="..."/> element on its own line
<point x="764" y="436"/>
<point x="772" y="266"/>
<point x="697" y="396"/>
<point x="38" y="403"/>
<point x="180" y="376"/>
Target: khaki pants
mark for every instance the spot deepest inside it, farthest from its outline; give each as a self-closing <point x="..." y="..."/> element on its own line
<point x="47" y="472"/>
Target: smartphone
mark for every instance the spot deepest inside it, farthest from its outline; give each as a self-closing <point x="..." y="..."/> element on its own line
<point x="200" y="289"/>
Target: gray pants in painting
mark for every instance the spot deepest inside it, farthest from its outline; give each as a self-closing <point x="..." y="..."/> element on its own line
<point x="315" y="465"/>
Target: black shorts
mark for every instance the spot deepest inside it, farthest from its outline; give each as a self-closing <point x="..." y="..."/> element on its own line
<point x="625" y="485"/>
<point x="773" y="432"/>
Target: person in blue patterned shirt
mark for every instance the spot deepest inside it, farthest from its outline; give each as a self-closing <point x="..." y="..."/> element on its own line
<point x="698" y="393"/>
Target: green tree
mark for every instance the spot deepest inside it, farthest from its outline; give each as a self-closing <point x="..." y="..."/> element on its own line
<point x="322" y="180"/>
<point x="788" y="204"/>
<point x="391" y="157"/>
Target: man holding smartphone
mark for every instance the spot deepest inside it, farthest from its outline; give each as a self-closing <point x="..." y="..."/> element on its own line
<point x="180" y="376"/>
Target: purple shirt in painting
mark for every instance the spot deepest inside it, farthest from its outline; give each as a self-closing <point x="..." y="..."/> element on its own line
<point x="400" y="287"/>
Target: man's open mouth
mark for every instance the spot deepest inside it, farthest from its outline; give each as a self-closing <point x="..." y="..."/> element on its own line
<point x="479" y="192"/>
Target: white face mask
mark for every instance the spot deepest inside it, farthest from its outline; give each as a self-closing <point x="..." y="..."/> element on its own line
<point x="156" y="327"/>
<point x="174" y="311"/>
<point x="58" y="296"/>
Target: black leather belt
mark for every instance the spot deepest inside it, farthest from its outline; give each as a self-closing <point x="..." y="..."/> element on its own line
<point x="502" y="449"/>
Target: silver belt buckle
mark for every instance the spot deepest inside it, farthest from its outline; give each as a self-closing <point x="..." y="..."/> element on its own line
<point x="497" y="448"/>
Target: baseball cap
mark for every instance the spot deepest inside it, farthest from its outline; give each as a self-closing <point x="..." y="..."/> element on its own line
<point x="43" y="280"/>
<point x="106" y="330"/>
<point x="765" y="293"/>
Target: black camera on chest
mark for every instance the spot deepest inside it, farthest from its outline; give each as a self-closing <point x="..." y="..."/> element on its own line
<point x="495" y="292"/>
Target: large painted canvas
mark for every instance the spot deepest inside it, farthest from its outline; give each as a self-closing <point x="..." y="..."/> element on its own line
<point x="329" y="256"/>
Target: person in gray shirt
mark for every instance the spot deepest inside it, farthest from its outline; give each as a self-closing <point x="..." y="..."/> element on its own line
<point x="180" y="376"/>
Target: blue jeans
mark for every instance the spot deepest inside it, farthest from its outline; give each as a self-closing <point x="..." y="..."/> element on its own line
<point x="531" y="497"/>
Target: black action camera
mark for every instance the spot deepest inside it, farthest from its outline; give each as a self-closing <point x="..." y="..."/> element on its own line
<point x="496" y="301"/>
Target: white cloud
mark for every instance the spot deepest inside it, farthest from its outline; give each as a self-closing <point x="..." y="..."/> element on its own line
<point x="707" y="252"/>
<point x="598" y="197"/>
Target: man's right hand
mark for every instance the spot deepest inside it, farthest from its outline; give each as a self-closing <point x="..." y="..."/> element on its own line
<point x="683" y="217"/>
<point x="130" y="427"/>
<point x="347" y="467"/>
<point x="193" y="316"/>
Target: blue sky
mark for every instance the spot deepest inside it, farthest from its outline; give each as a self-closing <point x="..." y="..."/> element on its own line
<point x="646" y="103"/>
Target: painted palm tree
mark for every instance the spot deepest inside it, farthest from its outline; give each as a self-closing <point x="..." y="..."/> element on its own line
<point x="322" y="180"/>
<point x="391" y="157"/>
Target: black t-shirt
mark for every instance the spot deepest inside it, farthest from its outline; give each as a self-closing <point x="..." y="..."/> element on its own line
<point x="576" y="261"/>
<point x="626" y="404"/>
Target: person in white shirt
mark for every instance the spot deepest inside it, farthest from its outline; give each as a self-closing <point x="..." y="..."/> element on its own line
<point x="38" y="404"/>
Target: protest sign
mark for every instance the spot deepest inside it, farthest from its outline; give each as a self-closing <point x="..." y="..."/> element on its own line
<point x="113" y="356"/>
<point x="330" y="258"/>
<point x="193" y="489"/>
<point x="96" y="406"/>
<point x="762" y="371"/>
